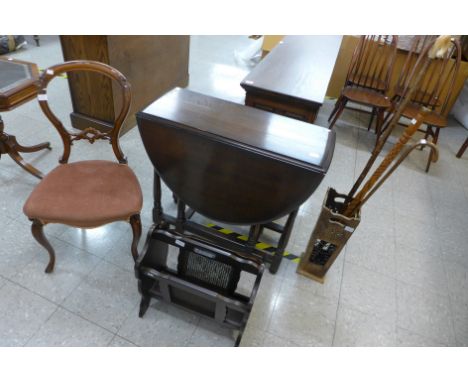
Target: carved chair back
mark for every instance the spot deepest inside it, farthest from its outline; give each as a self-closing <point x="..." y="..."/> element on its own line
<point x="90" y="134"/>
<point x="439" y="76"/>
<point x="372" y="62"/>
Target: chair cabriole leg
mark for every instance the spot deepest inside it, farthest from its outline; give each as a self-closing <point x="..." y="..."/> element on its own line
<point x="135" y="222"/>
<point x="38" y="234"/>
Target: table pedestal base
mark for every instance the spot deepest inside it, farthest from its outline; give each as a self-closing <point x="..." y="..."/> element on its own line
<point x="10" y="146"/>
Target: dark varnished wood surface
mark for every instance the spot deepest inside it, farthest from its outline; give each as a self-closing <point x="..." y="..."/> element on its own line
<point x="298" y="68"/>
<point x="17" y="82"/>
<point x="152" y="64"/>
<point x="83" y="85"/>
<point x="233" y="163"/>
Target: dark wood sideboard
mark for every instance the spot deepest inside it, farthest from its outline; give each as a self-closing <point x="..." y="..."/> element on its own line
<point x="293" y="78"/>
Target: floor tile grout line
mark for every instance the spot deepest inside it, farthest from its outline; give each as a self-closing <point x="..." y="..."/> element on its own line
<point x="395" y="264"/>
<point x="137" y="304"/>
<point x="193" y="332"/>
<point x="33" y="259"/>
<point x="59" y="305"/>
<point x="451" y="308"/>
<point x="111" y="340"/>
<point x="29" y="290"/>
<point x="36" y="294"/>
<point x="282" y="338"/>
<point x="123" y="338"/>
<point x="345" y="250"/>
<point x="339" y="296"/>
<point x="86" y="319"/>
<point x="41" y="326"/>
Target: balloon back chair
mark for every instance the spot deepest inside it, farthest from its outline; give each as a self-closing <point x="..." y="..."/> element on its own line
<point x="87" y="193"/>
<point x="368" y="78"/>
<point x="434" y="90"/>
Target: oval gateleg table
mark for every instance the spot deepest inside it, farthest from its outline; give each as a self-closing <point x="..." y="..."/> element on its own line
<point x="17" y="86"/>
<point x="233" y="164"/>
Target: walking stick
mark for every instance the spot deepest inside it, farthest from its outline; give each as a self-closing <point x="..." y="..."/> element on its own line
<point x="421" y="144"/>
<point x="409" y="131"/>
<point x="438" y="50"/>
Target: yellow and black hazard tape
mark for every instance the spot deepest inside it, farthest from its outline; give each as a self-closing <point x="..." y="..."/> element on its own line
<point x="260" y="245"/>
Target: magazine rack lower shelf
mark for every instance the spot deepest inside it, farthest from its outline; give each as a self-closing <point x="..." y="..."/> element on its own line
<point x="204" y="280"/>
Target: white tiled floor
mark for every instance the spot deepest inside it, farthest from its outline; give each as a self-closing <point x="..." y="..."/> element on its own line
<point x="402" y="280"/>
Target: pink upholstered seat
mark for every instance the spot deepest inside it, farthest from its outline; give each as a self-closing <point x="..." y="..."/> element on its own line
<point x="86" y="194"/>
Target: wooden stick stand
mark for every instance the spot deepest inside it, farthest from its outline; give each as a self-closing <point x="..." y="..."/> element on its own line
<point x="329" y="237"/>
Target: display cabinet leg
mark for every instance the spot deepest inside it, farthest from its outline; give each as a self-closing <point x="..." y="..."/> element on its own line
<point x="9" y="145"/>
<point x="15" y="146"/>
<point x="29" y="168"/>
<point x="32" y="149"/>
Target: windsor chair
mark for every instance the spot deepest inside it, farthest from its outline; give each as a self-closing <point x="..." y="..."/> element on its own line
<point x="434" y="90"/>
<point x="367" y="81"/>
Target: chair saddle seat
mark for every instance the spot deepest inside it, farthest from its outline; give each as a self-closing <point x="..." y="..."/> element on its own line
<point x="432" y="118"/>
<point x="367" y="97"/>
<point x="419" y="96"/>
<point x="86" y="194"/>
<point x="368" y="82"/>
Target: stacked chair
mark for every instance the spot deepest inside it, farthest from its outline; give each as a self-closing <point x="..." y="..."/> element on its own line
<point x="434" y="90"/>
<point x="368" y="78"/>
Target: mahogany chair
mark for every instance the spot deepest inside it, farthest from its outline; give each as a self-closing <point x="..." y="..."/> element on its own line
<point x="88" y="193"/>
<point x="367" y="81"/>
<point x="434" y="90"/>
